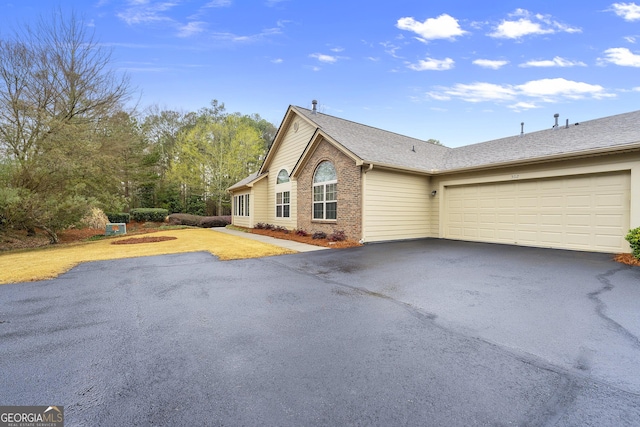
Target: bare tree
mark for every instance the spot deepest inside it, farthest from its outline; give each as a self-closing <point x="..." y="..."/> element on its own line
<point x="56" y="86"/>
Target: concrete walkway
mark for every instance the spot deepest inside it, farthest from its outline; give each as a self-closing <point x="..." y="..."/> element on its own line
<point x="283" y="243"/>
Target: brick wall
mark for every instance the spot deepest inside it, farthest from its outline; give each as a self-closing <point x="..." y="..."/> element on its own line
<point x="349" y="214"/>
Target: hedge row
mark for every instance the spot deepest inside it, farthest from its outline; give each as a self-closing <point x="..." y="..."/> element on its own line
<point x="118" y="217"/>
<point x="149" y="214"/>
<point x="199" y="221"/>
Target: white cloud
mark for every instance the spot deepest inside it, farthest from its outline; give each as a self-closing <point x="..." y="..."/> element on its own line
<point x="142" y="12"/>
<point x="442" y="27"/>
<point x="555" y="62"/>
<point x="481" y="92"/>
<point x="529" y="24"/>
<point x="549" y="90"/>
<point x="523" y="96"/>
<point x="219" y="3"/>
<point x="628" y="11"/>
<point x="324" y="58"/>
<point x="277" y="61"/>
<point x="432" y="64"/>
<point x="247" y="39"/>
<point x="620" y="56"/>
<point x="523" y="106"/>
<point x="630" y="39"/>
<point x="390" y="48"/>
<point x="490" y="63"/>
<point x="191" y="28"/>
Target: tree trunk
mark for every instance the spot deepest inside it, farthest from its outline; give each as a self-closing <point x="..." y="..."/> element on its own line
<point x="53" y="237"/>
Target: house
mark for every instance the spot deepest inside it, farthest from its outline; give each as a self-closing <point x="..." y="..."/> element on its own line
<point x="574" y="186"/>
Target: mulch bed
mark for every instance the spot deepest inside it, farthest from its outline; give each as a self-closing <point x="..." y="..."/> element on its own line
<point x="147" y="239"/>
<point x="627" y="259"/>
<point x="305" y="239"/>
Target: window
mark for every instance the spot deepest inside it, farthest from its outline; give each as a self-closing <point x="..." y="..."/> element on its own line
<point x="283" y="176"/>
<point x="325" y="192"/>
<point x="283" y="204"/>
<point x="283" y="198"/>
<point x="241" y="205"/>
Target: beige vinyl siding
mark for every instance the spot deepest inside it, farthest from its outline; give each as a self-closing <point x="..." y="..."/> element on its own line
<point x="260" y="211"/>
<point x="396" y="206"/>
<point x="583" y="212"/>
<point x="286" y="157"/>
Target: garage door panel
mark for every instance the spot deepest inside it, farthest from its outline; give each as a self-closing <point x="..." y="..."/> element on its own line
<point x="509" y="218"/>
<point x="589" y="212"/>
<point x="579" y="201"/>
<point x="527" y="202"/>
<point x="554" y="202"/>
<point x="610" y="200"/>
<point x="551" y="219"/>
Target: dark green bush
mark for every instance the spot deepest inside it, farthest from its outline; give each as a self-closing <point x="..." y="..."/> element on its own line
<point x="199" y="221"/>
<point x="633" y="237"/>
<point x="149" y="214"/>
<point x="319" y="235"/>
<point x="118" y="217"/>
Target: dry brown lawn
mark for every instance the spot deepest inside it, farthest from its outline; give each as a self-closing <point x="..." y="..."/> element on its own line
<point x="51" y="261"/>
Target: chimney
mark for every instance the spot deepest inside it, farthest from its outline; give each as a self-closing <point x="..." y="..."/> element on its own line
<point x="315" y="105"/>
<point x="556" y="115"/>
<point x="522" y="129"/>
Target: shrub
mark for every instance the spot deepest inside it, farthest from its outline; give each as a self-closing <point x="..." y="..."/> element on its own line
<point x="319" y="235"/>
<point x="633" y="237"/>
<point x="214" y="221"/>
<point x="118" y="217"/>
<point x="337" y="236"/>
<point x="301" y="232"/>
<point x="95" y="218"/>
<point x="260" y="226"/>
<point x="149" y="214"/>
<point x="199" y="221"/>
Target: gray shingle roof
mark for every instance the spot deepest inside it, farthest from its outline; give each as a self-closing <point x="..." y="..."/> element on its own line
<point x="388" y="148"/>
<point x="606" y="133"/>
<point x="245" y="181"/>
<point x="377" y="145"/>
<point x="391" y="149"/>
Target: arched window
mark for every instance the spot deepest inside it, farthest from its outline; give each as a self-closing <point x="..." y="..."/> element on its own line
<point x="283" y="176"/>
<point x="325" y="192"/>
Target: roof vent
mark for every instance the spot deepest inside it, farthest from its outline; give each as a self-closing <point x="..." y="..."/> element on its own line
<point x="522" y="129"/>
<point x="315" y="107"/>
<point x="566" y="126"/>
<point x="556" y="115"/>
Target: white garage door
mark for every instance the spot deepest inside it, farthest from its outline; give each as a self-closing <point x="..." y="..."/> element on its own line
<point x="586" y="212"/>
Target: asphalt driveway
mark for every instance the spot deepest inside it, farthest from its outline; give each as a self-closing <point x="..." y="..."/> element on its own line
<point x="428" y="332"/>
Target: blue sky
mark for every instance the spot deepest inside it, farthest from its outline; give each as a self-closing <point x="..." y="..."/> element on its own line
<point x="458" y="71"/>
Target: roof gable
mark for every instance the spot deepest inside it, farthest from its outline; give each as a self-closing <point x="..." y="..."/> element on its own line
<point x="378" y="146"/>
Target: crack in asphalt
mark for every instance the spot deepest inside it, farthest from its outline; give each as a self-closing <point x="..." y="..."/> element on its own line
<point x="601" y="307"/>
